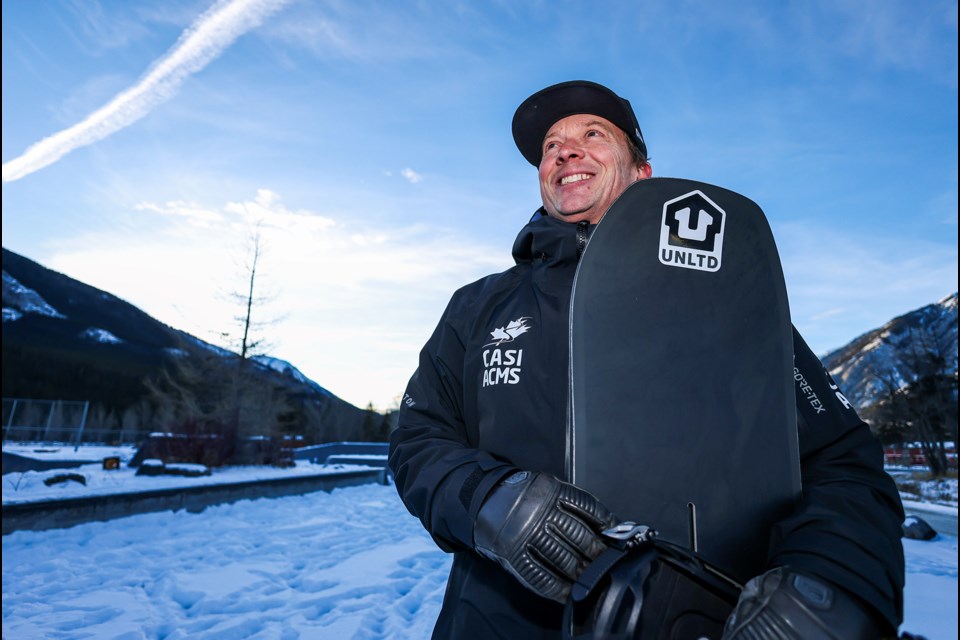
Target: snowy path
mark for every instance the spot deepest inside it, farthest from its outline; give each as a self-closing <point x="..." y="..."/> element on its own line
<point x="347" y="564"/>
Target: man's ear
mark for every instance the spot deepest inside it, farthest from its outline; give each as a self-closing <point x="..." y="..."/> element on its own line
<point x="644" y="171"/>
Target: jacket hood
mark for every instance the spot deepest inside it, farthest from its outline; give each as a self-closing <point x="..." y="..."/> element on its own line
<point x="546" y="239"/>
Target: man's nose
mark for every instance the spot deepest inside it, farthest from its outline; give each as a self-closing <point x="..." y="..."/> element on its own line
<point x="568" y="151"/>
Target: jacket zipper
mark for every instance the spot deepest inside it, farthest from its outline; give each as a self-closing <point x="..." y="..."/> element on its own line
<point x="570" y="449"/>
<point x="582" y="237"/>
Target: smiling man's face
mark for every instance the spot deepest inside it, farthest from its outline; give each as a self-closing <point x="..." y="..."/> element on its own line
<point x="586" y="165"/>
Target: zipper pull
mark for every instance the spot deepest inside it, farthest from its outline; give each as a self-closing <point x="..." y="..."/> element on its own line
<point x="582" y="237"/>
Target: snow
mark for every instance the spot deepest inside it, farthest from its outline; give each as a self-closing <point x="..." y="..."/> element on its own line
<point x="26" y="299"/>
<point x="347" y="564"/>
<point x="43" y="451"/>
<point x="351" y="563"/>
<point x="100" y="335"/>
<point x="29" y="486"/>
<point x="285" y="368"/>
<point x="927" y="506"/>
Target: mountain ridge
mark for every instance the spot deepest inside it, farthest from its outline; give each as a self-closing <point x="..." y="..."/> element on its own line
<point x="867" y="365"/>
<point x="64" y="339"/>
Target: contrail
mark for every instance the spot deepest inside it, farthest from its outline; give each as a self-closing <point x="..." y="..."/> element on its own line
<point x="197" y="46"/>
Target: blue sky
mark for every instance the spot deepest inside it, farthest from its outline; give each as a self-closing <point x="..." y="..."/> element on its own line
<point x="143" y="141"/>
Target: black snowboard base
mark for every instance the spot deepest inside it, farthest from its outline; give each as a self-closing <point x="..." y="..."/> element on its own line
<point x="682" y="395"/>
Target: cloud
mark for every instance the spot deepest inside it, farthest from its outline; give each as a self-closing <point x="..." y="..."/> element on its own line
<point x="266" y="209"/>
<point x="828" y="313"/>
<point x="197" y="46"/>
<point x="192" y="211"/>
<point x="363" y="32"/>
<point x="358" y="303"/>
<point x="842" y="284"/>
<point x="411" y="175"/>
<point x="901" y="35"/>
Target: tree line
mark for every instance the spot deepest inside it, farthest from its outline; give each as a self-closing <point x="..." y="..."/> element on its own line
<point x="918" y="397"/>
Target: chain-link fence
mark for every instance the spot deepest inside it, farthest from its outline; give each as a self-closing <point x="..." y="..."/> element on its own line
<point x="63" y="421"/>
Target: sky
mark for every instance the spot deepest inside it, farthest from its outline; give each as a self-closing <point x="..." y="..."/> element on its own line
<point x="351" y="563"/>
<point x="145" y="143"/>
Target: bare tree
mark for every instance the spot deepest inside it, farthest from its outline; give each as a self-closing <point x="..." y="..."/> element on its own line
<point x="251" y="301"/>
<point x="919" y="401"/>
<point x="887" y="415"/>
<point x="932" y="395"/>
<point x="209" y="392"/>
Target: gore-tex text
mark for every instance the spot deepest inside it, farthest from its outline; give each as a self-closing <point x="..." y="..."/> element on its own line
<point x="807" y="391"/>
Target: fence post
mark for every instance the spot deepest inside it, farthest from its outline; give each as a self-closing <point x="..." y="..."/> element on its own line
<point x="83" y="423"/>
<point x="46" y="429"/>
<point x="37" y="427"/>
<point x="13" y="410"/>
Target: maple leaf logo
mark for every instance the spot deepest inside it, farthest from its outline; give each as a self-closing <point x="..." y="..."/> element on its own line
<point x="510" y="332"/>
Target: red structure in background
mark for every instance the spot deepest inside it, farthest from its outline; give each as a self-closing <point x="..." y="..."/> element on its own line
<point x="911" y="455"/>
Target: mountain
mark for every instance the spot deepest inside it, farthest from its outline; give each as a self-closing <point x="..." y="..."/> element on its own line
<point x="868" y="365"/>
<point x="66" y="340"/>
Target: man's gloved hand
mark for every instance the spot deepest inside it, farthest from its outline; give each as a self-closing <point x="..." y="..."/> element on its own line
<point x="782" y="604"/>
<point x="543" y="531"/>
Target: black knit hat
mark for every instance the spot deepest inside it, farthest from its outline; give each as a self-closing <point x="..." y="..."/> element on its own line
<point x="541" y="110"/>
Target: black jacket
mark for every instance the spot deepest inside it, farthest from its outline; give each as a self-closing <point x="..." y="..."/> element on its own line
<point x="490" y="396"/>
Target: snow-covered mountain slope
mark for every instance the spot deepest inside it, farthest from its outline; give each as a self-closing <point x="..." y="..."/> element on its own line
<point x="65" y="339"/>
<point x="19" y="300"/>
<point x="285" y="368"/>
<point x="864" y="367"/>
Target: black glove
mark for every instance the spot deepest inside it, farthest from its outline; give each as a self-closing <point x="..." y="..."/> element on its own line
<point x="543" y="531"/>
<point x="785" y="605"/>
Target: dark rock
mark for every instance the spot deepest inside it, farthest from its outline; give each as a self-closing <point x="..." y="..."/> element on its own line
<point x="60" y="478"/>
<point x="151" y="467"/>
<point x="915" y="528"/>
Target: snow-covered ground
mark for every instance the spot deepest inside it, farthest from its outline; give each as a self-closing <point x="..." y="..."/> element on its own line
<point x="351" y="563"/>
<point x="31" y="486"/>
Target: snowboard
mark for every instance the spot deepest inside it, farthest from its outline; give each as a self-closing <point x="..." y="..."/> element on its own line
<point x="681" y="371"/>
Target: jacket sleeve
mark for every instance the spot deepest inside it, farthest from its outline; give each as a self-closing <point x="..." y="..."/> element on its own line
<point x="441" y="475"/>
<point x="847" y="527"/>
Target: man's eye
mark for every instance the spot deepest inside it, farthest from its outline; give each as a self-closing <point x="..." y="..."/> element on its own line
<point x="550" y="145"/>
<point x="592" y="133"/>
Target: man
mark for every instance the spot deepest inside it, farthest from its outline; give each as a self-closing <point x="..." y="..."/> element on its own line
<point x="480" y="452"/>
